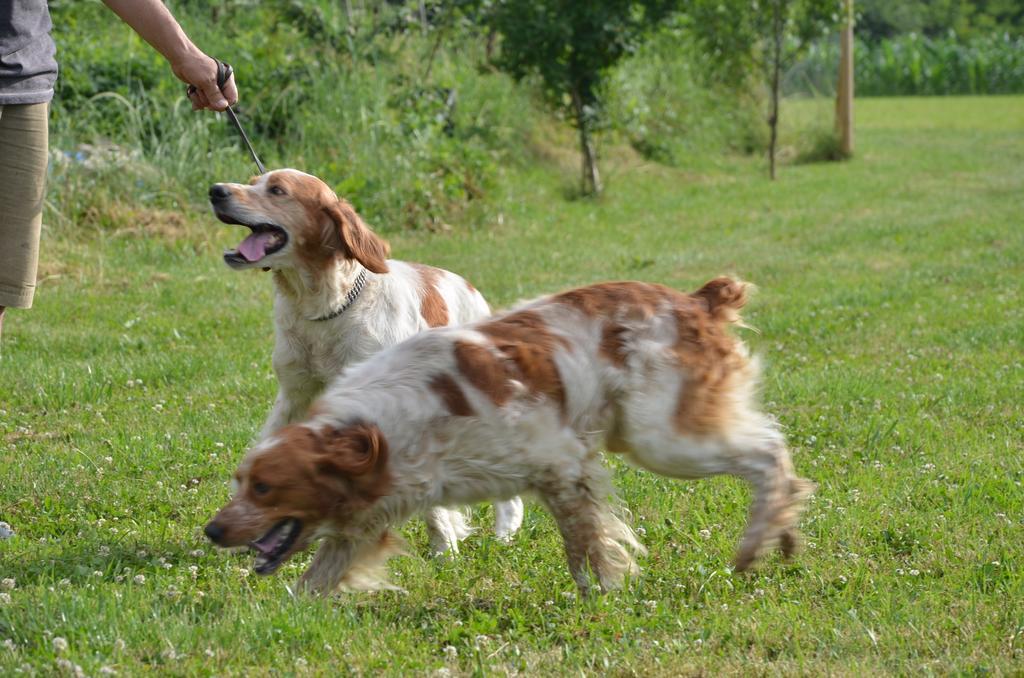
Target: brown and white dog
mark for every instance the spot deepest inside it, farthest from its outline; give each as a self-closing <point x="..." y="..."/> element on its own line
<point x="522" y="402"/>
<point x="339" y="300"/>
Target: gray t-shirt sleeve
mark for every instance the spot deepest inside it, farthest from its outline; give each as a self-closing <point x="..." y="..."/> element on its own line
<point x="28" y="67"/>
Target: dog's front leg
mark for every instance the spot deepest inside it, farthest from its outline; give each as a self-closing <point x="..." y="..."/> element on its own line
<point x="332" y="560"/>
<point x="292" y="404"/>
<point x="354" y="565"/>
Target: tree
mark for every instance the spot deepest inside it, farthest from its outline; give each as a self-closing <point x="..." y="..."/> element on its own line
<point x="572" y="45"/>
<point x="765" y="36"/>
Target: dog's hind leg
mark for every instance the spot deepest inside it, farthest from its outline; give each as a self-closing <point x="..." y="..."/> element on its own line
<point x="752" y="449"/>
<point x="778" y="499"/>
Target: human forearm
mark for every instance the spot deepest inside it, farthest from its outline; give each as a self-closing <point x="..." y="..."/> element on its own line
<point x="156" y="25"/>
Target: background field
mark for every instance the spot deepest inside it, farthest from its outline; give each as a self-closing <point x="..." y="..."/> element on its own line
<point x="889" y="319"/>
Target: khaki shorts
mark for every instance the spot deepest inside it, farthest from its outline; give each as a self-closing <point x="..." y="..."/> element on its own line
<point x="23" y="155"/>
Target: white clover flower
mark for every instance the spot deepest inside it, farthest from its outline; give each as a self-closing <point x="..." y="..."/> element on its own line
<point x="198" y="553"/>
<point x="119" y="645"/>
<point x="450" y="652"/>
<point x="301" y="662"/>
<point x="8" y="584"/>
<point x="243" y="572"/>
<point x="139" y="579"/>
<point x="5" y="598"/>
<point x="9" y="645"/>
<point x="60" y="645"/>
<point x="705" y="533"/>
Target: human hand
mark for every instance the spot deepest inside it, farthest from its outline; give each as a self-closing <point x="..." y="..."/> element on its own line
<point x="201" y="71"/>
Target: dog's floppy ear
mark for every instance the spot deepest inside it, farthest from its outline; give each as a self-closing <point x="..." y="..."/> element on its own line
<point x="357" y="240"/>
<point x="357" y="455"/>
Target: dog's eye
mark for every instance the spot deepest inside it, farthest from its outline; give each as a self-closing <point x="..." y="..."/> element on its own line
<point x="260" y="488"/>
<point x="277" y="190"/>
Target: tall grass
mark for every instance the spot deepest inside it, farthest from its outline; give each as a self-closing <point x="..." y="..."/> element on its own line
<point x="407" y="146"/>
<point x="918" y="65"/>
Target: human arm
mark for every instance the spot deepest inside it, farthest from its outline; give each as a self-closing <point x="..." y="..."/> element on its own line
<point x="156" y="25"/>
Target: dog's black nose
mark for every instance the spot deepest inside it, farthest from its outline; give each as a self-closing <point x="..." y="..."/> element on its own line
<point x="214" y="531"/>
<point x="219" y="192"/>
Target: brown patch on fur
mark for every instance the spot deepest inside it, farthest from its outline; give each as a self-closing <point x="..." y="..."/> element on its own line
<point x="315" y="476"/>
<point x="432" y="306"/>
<point x="724" y="298"/>
<point x="710" y="356"/>
<point x="452" y="396"/>
<point x="617" y="303"/>
<point x="704" y="349"/>
<point x="484" y="370"/>
<point x="357" y="240"/>
<point x="528" y="345"/>
<point x="605" y="299"/>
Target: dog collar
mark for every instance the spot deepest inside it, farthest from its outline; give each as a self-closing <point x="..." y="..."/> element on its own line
<point x="350" y="298"/>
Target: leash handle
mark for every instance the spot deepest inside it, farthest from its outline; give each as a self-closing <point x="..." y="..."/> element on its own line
<point x="224" y="72"/>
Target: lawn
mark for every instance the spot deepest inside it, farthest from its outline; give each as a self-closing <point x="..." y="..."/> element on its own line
<point x="889" y="318"/>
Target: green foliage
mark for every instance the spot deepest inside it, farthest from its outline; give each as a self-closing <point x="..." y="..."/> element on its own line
<point x="662" y="102"/>
<point x="738" y="34"/>
<point x="912" y="64"/>
<point x="970" y="19"/>
<point x="572" y="46"/>
<point x="353" y="102"/>
<point x="763" y="38"/>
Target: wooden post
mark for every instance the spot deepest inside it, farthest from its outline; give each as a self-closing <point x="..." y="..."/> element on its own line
<point x="844" y="89"/>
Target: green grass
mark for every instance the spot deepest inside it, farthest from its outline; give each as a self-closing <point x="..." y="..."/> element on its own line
<point x="890" y="324"/>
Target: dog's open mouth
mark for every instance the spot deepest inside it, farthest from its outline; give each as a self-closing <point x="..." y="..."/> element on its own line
<point x="274" y="546"/>
<point x="265" y="239"/>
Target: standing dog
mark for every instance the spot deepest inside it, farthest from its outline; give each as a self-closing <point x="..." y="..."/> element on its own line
<point x="522" y="402"/>
<point x="339" y="300"/>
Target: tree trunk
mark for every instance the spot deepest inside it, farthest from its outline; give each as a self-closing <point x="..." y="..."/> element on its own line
<point x="844" y="90"/>
<point x="778" y="28"/>
<point x="591" y="184"/>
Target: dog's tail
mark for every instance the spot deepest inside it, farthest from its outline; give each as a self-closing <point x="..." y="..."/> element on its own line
<point x="724" y="298"/>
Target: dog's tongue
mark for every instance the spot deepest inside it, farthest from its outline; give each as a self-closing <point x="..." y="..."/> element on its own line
<point x="268" y="542"/>
<point x="254" y="247"/>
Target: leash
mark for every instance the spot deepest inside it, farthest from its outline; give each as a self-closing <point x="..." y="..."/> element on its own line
<point x="224" y="71"/>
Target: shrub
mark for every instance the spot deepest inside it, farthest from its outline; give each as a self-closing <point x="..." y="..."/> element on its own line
<point x="663" y="102"/>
